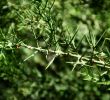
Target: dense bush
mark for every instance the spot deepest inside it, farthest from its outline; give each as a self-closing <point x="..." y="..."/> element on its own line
<point x="54" y="49"/>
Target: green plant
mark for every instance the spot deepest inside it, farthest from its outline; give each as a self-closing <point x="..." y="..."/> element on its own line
<point x="37" y="35"/>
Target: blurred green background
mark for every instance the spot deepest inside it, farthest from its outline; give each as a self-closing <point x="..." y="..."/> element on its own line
<point x="50" y="24"/>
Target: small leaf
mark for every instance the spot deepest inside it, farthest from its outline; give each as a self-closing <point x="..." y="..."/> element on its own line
<point x="79" y="43"/>
<point x="100" y="38"/>
<point x="31" y="55"/>
<point x="87" y="38"/>
<point x="73" y="36"/>
<point x="51" y="61"/>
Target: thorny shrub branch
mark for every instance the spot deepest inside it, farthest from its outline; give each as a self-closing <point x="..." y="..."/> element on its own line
<point x="81" y="60"/>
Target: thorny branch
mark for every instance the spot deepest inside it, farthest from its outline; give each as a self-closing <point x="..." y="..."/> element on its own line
<point x="82" y="61"/>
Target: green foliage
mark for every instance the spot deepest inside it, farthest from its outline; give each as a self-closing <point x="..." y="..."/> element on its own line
<point x="54" y="49"/>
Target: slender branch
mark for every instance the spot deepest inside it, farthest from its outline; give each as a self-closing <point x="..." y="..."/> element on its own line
<point x="59" y="52"/>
